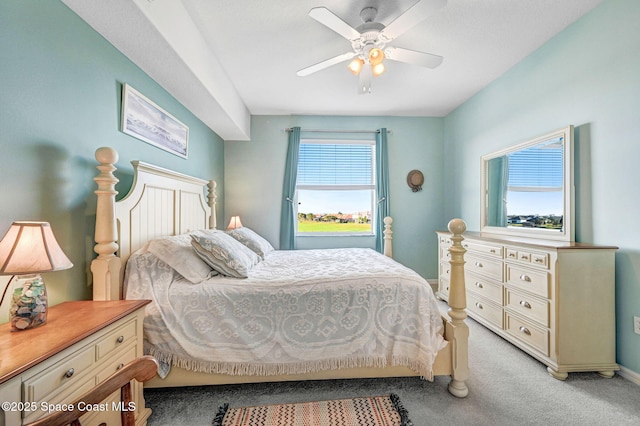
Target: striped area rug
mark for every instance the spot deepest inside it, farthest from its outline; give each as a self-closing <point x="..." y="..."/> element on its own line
<point x="369" y="411"/>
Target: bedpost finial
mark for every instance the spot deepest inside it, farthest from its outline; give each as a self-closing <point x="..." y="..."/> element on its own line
<point x="106" y="155"/>
<point x="457" y="226"/>
<point x="388" y="220"/>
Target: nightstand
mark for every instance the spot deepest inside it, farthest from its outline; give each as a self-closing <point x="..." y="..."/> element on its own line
<point x="81" y="344"/>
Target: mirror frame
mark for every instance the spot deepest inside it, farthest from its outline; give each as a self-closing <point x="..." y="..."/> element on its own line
<point x="568" y="230"/>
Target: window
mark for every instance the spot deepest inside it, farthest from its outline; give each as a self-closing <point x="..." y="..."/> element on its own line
<point x="536" y="176"/>
<point x="335" y="187"/>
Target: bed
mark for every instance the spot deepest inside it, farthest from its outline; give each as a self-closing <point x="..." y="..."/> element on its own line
<point x="164" y="205"/>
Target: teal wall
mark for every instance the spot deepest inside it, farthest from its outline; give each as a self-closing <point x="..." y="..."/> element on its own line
<point x="588" y="76"/>
<point x="255" y="170"/>
<point x="60" y="100"/>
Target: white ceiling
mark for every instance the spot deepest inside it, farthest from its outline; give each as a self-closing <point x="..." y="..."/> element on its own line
<point x="226" y="60"/>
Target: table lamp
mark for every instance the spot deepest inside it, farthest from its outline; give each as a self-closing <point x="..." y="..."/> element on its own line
<point x="27" y="249"/>
<point x="234" y="223"/>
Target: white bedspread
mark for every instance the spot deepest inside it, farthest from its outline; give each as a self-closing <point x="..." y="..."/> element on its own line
<point x="297" y="312"/>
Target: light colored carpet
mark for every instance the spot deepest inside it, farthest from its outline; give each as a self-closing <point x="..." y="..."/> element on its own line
<point x="506" y="387"/>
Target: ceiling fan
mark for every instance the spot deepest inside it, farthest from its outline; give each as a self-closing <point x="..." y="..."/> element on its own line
<point x="370" y="42"/>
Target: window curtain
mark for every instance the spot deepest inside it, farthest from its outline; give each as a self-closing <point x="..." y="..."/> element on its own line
<point x="382" y="184"/>
<point x="287" y="220"/>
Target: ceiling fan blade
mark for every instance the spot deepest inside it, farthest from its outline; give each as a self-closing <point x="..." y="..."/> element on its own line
<point x="411" y="17"/>
<point x="325" y="64"/>
<point x="329" y="19"/>
<point x="422" y="59"/>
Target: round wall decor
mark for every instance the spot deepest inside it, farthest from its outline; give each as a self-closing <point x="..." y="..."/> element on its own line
<point x="415" y="179"/>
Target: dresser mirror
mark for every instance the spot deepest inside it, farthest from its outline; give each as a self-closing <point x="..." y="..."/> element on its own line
<point x="527" y="189"/>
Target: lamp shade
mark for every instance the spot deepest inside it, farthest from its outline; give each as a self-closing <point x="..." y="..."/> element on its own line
<point x="234" y="222"/>
<point x="31" y="248"/>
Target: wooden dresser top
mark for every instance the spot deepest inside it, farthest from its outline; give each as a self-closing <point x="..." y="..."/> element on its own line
<point x="67" y="324"/>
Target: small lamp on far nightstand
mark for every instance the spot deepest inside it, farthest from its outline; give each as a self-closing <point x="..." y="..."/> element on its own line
<point x="234" y="222"/>
<point x="27" y="249"/>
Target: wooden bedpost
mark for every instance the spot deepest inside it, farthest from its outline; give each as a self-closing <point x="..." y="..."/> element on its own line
<point x="388" y="246"/>
<point x="211" y="198"/>
<point x="458" y="331"/>
<point x="106" y="267"/>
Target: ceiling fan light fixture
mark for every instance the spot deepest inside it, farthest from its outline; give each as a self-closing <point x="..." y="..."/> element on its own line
<point x="378" y="69"/>
<point x="356" y="65"/>
<point x="376" y="56"/>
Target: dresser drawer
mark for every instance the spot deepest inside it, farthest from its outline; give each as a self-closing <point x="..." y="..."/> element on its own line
<point x="486" y="249"/>
<point x="116" y="339"/>
<point x="65" y="373"/>
<point x="483" y="287"/>
<point x="538" y="259"/>
<point x="445" y="270"/>
<point x="528" y="306"/>
<point x="527" y="332"/>
<point x="536" y="282"/>
<point x="443" y="288"/>
<point x="487" y="267"/>
<point x="445" y="255"/>
<point x="484" y="309"/>
<point x="444" y="241"/>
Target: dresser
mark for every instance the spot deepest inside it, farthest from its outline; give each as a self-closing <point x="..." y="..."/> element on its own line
<point x="81" y="344"/>
<point x="554" y="300"/>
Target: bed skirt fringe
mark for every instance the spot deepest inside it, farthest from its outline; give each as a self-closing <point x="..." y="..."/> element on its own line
<point x="257" y="369"/>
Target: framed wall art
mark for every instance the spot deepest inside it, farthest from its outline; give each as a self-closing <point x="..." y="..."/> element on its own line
<point x="144" y="120"/>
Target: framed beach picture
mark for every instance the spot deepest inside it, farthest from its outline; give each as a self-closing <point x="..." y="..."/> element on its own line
<point x="144" y="120"/>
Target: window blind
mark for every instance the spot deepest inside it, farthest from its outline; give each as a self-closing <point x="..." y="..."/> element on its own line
<point x="335" y="164"/>
<point x="538" y="168"/>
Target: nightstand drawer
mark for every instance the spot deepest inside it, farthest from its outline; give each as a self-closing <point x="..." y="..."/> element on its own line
<point x="536" y="282"/>
<point x="527" y="332"/>
<point x="528" y="306"/>
<point x="65" y="373"/>
<point x="116" y="339"/>
<point x="116" y="364"/>
<point x="65" y="396"/>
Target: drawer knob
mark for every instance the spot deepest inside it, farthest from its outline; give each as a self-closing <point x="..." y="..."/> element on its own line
<point x="479" y="305"/>
<point x="119" y="366"/>
<point x="525" y="330"/>
<point x="69" y="373"/>
<point x="492" y="251"/>
<point x="479" y="265"/>
<point x="525" y="278"/>
<point x="465" y="245"/>
<point x="512" y="255"/>
<point x="479" y="285"/>
<point x="120" y="339"/>
<point x="525" y="304"/>
<point x="539" y="260"/>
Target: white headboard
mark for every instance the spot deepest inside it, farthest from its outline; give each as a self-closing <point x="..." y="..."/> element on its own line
<point x="160" y="202"/>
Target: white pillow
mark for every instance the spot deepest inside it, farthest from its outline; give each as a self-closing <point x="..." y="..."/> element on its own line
<point x="223" y="253"/>
<point x="178" y="253"/>
<point x="252" y="240"/>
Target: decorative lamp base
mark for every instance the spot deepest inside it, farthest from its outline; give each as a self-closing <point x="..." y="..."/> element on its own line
<point x="28" y="303"/>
